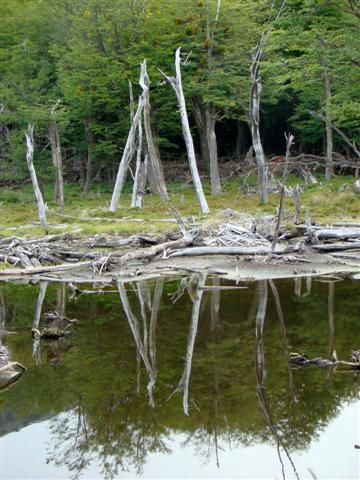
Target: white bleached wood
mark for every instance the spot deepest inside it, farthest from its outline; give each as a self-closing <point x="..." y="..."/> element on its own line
<point x="176" y="84"/>
<point x="29" y="158"/>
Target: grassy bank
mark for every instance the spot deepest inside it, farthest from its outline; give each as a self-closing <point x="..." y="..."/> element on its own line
<point x="329" y="201"/>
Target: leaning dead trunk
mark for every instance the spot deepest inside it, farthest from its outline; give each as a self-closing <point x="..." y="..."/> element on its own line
<point x="176" y="84"/>
<point x="141" y="168"/>
<point x="255" y="94"/>
<point x="126" y="157"/>
<point x="156" y="174"/>
<point x="29" y="158"/>
<point x="57" y="162"/>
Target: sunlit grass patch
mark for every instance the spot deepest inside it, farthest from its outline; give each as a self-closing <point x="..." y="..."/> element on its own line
<point x="89" y="214"/>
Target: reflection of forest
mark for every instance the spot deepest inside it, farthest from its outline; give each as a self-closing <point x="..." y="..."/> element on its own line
<point x="140" y="358"/>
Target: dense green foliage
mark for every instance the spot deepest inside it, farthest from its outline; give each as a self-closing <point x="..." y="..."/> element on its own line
<point x="83" y="53"/>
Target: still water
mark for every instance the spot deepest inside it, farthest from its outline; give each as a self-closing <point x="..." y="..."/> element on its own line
<point x="182" y="379"/>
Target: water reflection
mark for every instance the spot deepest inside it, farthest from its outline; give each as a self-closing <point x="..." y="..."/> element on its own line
<point x="226" y="352"/>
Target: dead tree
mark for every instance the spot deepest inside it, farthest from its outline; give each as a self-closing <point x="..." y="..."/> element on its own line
<point x="254" y="110"/>
<point x="254" y="107"/>
<point x="297" y="204"/>
<point x="56" y="159"/>
<point x="35" y="332"/>
<point x="260" y="377"/>
<point x="126" y="158"/>
<point x="155" y="171"/>
<point x="141" y="346"/>
<point x="289" y="143"/>
<point x="141" y="168"/>
<point x="176" y="84"/>
<point x="29" y="158"/>
<point x="195" y="289"/>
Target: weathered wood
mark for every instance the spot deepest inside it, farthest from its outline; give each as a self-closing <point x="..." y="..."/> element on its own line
<point x="156" y="173"/>
<point x="297" y="204"/>
<point x="56" y="158"/>
<point x="279" y="250"/>
<point x="279" y="217"/>
<point x="29" y="158"/>
<point x="338" y="246"/>
<point x="126" y="157"/>
<point x="154" y="250"/>
<point x="254" y="112"/>
<point x="176" y="84"/>
<point x="289" y="143"/>
<point x="341" y="233"/>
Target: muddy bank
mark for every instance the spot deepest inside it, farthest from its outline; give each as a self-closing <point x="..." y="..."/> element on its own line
<point x="239" y="247"/>
<point x="234" y="268"/>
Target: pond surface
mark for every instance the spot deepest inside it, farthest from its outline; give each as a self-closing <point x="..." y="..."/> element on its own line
<point x="182" y="379"/>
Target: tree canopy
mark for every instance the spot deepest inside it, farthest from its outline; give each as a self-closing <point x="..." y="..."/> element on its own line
<point x="81" y="55"/>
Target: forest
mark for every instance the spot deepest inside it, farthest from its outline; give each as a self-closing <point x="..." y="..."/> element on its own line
<point x="255" y="73"/>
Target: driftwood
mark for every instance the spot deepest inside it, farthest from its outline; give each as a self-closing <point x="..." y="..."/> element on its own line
<point x="234" y="251"/>
<point x="339" y="246"/>
<point x="342" y="233"/>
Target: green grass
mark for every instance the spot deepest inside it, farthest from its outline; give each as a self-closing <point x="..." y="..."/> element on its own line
<point x="325" y="201"/>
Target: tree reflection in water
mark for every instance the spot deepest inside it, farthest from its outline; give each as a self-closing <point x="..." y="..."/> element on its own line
<point x="100" y="408"/>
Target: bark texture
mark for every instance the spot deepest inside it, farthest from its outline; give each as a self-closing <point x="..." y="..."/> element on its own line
<point x="29" y="158"/>
<point x="176" y="84"/>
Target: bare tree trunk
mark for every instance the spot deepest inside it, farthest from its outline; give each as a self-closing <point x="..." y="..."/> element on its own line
<point x="39" y="304"/>
<point x="29" y="158"/>
<point x="183" y="385"/>
<point x="297" y="204"/>
<point x="211" y="118"/>
<point x="134" y="325"/>
<point x="140" y="171"/>
<point x="254" y="110"/>
<point x="199" y="117"/>
<point x="331" y="318"/>
<point x="61" y="300"/>
<point x="329" y="135"/>
<point x="176" y="84"/>
<point x="57" y="162"/>
<point x="35" y="326"/>
<point x="89" y="162"/>
<point x="205" y="118"/>
<point x="289" y="142"/>
<point x="126" y="157"/>
<point x="260" y="376"/>
<point x="156" y="173"/>
<point x="285" y="339"/>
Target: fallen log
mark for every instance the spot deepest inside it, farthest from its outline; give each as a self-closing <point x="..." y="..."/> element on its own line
<point x="338" y="246"/>
<point x="155" y="249"/>
<point x="342" y="233"/>
<point x="194" y="251"/>
<point x="47" y="269"/>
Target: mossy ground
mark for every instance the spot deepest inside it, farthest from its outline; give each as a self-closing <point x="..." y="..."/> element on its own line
<point x="329" y="201"/>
